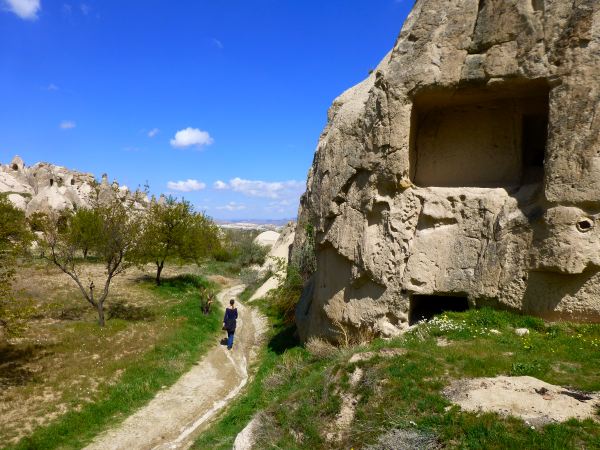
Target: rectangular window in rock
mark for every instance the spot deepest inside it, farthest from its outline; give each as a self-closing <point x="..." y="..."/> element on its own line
<point x="480" y="137"/>
<point x="425" y="307"/>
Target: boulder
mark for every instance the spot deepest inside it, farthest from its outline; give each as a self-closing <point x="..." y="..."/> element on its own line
<point x="464" y="171"/>
<point x="267" y="238"/>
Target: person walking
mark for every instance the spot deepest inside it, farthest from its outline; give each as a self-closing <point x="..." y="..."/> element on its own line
<point x="230" y="322"/>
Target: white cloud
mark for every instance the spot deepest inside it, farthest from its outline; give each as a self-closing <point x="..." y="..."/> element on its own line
<point x="191" y="137"/>
<point x="85" y="9"/>
<point x="186" y="186"/>
<point x="52" y="87"/>
<point x="153" y="132"/>
<point x="67" y="125"/>
<point x="232" y="206"/>
<point x="217" y="43"/>
<point x="265" y="189"/>
<point x="25" y="9"/>
<point x="220" y="185"/>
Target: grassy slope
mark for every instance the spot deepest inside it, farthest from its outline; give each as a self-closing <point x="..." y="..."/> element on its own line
<point x="161" y="366"/>
<point x="299" y="392"/>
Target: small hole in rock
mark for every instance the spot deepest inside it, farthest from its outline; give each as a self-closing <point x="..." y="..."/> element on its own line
<point x="585" y="225"/>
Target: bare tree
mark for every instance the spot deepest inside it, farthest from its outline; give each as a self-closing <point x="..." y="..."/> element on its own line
<point x="116" y="228"/>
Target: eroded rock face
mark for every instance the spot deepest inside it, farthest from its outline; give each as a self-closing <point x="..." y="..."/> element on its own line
<point x="46" y="187"/>
<point x="467" y="166"/>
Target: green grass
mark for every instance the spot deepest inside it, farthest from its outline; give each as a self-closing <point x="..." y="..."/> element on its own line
<point x="299" y="393"/>
<point x="191" y="335"/>
<point x="214" y="267"/>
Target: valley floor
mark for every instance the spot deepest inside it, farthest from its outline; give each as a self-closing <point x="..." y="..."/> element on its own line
<point x="64" y="379"/>
<point x="157" y="378"/>
<point x="177" y="414"/>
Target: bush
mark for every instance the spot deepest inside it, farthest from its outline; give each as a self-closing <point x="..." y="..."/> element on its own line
<point x="285" y="298"/>
<point x="121" y="310"/>
<point x="305" y="258"/>
<point x="320" y="348"/>
<point x="37" y="221"/>
<point x="249" y="276"/>
<point x="223" y="254"/>
<point x="251" y="253"/>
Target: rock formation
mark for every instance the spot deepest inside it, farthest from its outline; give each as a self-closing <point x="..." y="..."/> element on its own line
<point x="276" y="261"/>
<point x="465" y="171"/>
<point x="45" y="187"/>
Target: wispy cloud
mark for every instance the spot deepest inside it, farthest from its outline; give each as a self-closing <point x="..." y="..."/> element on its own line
<point x="232" y="206"/>
<point x="191" y="137"/>
<point x="186" y="186"/>
<point x="217" y="43"/>
<point x="265" y="189"/>
<point x="220" y="185"/>
<point x="52" y="87"/>
<point x="153" y="132"/>
<point x="85" y="8"/>
<point x="67" y="125"/>
<point x="25" y="9"/>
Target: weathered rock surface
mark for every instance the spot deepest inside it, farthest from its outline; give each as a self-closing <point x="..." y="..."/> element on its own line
<point x="46" y="187"/>
<point x="467" y="166"/>
<point x="277" y="260"/>
<point x="267" y="238"/>
<point x="533" y="400"/>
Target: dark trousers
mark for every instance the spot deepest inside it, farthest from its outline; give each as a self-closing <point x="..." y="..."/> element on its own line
<point x="230" y="339"/>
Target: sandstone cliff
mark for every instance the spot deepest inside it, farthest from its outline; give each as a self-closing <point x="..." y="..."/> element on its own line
<point x="464" y="171"/>
<point x="46" y="187"/>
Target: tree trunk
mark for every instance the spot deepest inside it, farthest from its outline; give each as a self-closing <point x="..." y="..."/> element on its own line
<point x="85" y="252"/>
<point x="159" y="268"/>
<point x="100" y="306"/>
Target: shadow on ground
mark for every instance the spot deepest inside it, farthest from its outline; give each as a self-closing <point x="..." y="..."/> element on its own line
<point x="283" y="340"/>
<point x="16" y="362"/>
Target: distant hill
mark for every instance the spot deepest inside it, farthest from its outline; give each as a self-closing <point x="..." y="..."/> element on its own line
<point x="255" y="224"/>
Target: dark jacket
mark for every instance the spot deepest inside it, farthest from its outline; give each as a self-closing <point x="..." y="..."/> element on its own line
<point x="230" y="319"/>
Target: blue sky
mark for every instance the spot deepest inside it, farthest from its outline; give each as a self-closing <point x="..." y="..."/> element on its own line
<point x="225" y="100"/>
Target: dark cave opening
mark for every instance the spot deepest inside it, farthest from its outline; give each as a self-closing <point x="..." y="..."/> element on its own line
<point x="426" y="307"/>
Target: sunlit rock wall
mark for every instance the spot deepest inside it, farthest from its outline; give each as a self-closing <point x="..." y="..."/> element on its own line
<point x="465" y="168"/>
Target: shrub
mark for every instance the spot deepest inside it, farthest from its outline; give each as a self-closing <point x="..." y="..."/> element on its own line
<point x="251" y="253"/>
<point x="320" y="348"/>
<point x="249" y="276"/>
<point x="285" y="298"/>
<point x="121" y="310"/>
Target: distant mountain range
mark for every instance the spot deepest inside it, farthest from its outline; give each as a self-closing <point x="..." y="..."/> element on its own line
<point x="255" y="224"/>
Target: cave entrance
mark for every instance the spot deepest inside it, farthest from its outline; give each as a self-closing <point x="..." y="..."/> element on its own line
<point x="480" y="137"/>
<point x="425" y="307"/>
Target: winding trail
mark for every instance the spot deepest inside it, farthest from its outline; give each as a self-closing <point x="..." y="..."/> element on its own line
<point x="178" y="414"/>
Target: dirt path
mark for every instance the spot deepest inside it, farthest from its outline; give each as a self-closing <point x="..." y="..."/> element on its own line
<point x="176" y="415"/>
